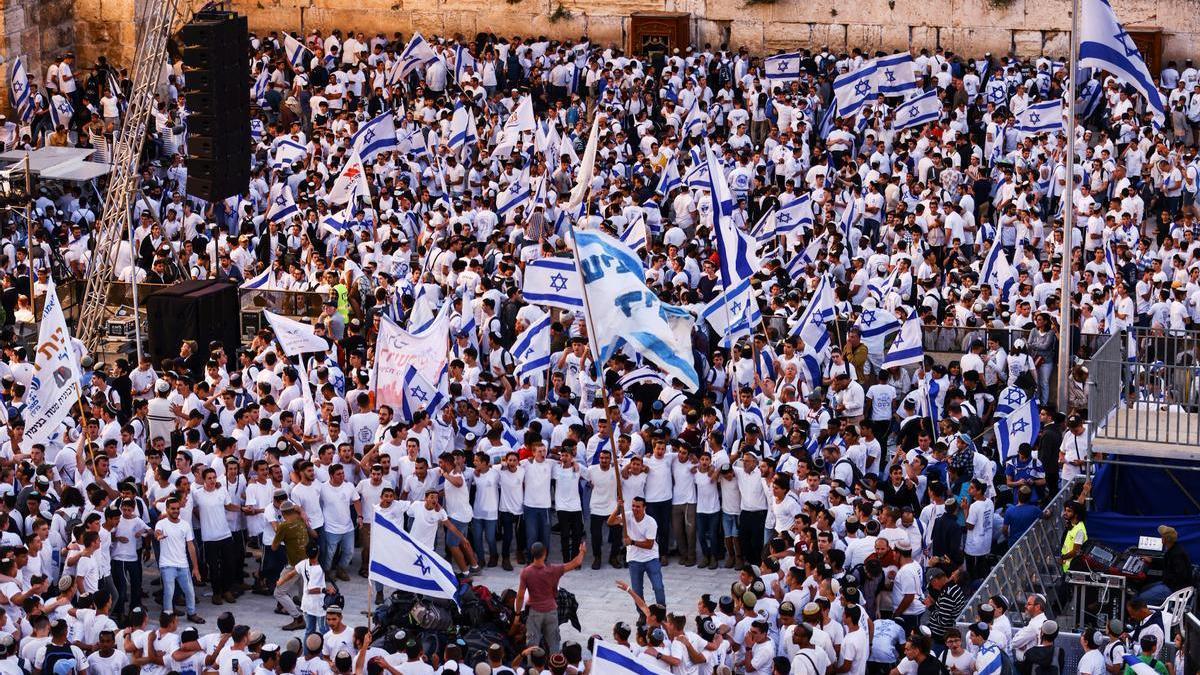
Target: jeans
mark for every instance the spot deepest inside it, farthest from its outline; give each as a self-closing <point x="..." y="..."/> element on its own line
<point x="708" y="531"/>
<point x="537" y="526"/>
<point x="1044" y="374"/>
<point x="509" y="525"/>
<point x="483" y="532"/>
<point x="750" y="530"/>
<point x="314" y="623"/>
<point x="654" y="569"/>
<point x="127" y="575"/>
<point x="182" y="576"/>
<point x="570" y="533"/>
<point x="330" y="545"/>
<point x="598" y="524"/>
<point x="661" y="513"/>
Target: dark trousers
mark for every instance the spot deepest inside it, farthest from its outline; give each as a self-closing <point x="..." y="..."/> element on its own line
<point x="570" y="532"/>
<point x="708" y="531"/>
<point x="750" y="534"/>
<point x="977" y="566"/>
<point x="510" y="526"/>
<point x="273" y="562"/>
<point x="219" y="557"/>
<point x="661" y="513"/>
<point x="127" y="576"/>
<point x="598" y="524"/>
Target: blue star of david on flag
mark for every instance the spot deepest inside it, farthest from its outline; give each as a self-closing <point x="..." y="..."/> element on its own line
<point x="890" y="75"/>
<point x="1126" y="41"/>
<point x="558" y="282"/>
<point x="867" y="319"/>
<point x="422" y="564"/>
<point x="419" y="394"/>
<point x="862" y="88"/>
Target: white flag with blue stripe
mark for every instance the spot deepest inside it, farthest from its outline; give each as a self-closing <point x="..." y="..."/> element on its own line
<point x="376" y="136"/>
<point x="61" y="110"/>
<point x="1017" y="421"/>
<point x="553" y="282"/>
<point x="1106" y="45"/>
<point x="420" y="394"/>
<point x="463" y="59"/>
<point x="518" y="193"/>
<point x="696" y="121"/>
<point x="919" y="110"/>
<point x="875" y="325"/>
<point x="1041" y="117"/>
<point x="463" y="131"/>
<point x="670" y="178"/>
<point x="894" y="75"/>
<point x="635" y="235"/>
<point x="737" y="250"/>
<point x="18" y="88"/>
<point x="851" y="90"/>
<point x="625" y="311"/>
<point x="416" y="54"/>
<point x="734" y="314"/>
<point x="261" y="282"/>
<point x="997" y="272"/>
<point x="531" y="351"/>
<point x="258" y="90"/>
<point x="287" y="152"/>
<point x="908" y="347"/>
<point x="609" y="658"/>
<point x="297" y="54"/>
<point x="794" y="214"/>
<point x="283" y="205"/>
<point x="400" y="561"/>
<point x="811" y="329"/>
<point x="783" y="68"/>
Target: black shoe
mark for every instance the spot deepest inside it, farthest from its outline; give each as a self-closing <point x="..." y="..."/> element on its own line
<point x="595" y="563"/>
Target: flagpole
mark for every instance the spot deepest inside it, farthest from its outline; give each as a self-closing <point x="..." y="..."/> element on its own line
<point x="1064" y="318"/>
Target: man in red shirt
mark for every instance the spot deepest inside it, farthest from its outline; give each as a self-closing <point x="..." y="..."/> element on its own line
<point x="541" y="581"/>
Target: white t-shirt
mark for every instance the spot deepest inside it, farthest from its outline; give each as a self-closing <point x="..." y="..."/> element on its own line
<point x="641" y="530"/>
<point x="311" y="577"/>
<point x="335" y="506"/>
<point x="425" y="522"/>
<point x="856" y="648"/>
<point x="979" y="538"/>
<point x="173" y="547"/>
<point x="537" y="483"/>
<point x="210" y="506"/>
<point x="1092" y="663"/>
<point x="129" y="529"/>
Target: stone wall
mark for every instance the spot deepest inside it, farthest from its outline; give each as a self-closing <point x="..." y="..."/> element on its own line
<point x="1026" y="27"/>
<point x="37" y="31"/>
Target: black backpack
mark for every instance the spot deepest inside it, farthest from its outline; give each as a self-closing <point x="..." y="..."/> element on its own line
<point x="56" y="653"/>
<point x="856" y="473"/>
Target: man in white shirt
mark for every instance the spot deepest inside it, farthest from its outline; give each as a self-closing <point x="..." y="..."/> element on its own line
<point x="338" y="506"/>
<point x="177" y="555"/>
<point x="221" y="555"/>
<point x="641" y="547"/>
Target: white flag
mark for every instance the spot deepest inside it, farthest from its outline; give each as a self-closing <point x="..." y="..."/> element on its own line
<point x="427" y="351"/>
<point x="294" y="337"/>
<point x="54" y="387"/>
<point x="350" y="182"/>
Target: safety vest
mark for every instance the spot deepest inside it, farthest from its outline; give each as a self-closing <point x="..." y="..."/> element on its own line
<point x="343" y="301"/>
<point x="1069" y="541"/>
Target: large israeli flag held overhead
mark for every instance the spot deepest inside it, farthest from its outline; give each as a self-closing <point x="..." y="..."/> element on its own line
<point x="1041" y="117"/>
<point x="625" y="311"/>
<point x="400" y="561"/>
<point x="997" y="272"/>
<point x="851" y="90"/>
<point x="794" y="214"/>
<point x="376" y="136"/>
<point x="908" y="347"/>
<point x="553" y="282"/>
<point x="1105" y="44"/>
<point x="919" y="110"/>
<point x="738" y="258"/>
<point x="612" y="659"/>
<point x="783" y="68"/>
<point x="894" y="75"/>
<point x="1017" y="421"/>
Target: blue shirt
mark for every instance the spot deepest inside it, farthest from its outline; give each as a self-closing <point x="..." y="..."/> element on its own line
<point x="1019" y="518"/>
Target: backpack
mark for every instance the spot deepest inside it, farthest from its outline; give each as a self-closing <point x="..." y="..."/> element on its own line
<point x="431" y="617"/>
<point x="855" y="473"/>
<point x="56" y="653"/>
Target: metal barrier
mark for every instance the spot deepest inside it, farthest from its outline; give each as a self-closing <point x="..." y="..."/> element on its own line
<point x="1030" y="565"/>
<point x="1144" y="386"/>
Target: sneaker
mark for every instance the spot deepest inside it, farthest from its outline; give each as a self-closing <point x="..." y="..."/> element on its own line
<point x="475" y="570"/>
<point x="296" y="624"/>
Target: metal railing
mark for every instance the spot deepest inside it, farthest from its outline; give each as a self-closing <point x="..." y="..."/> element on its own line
<point x="1145" y="386"/>
<point x="1030" y="565"/>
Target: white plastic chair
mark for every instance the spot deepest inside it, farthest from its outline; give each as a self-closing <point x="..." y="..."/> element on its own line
<point x="1175" y="606"/>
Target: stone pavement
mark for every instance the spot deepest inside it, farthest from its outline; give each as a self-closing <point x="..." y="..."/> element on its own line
<point x="601" y="603"/>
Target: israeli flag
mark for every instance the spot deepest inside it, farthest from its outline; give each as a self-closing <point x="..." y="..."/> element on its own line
<point x="463" y="132"/>
<point x="297" y="54"/>
<point x="553" y="282"/>
<point x="400" y="561"/>
<point x="283" y="206"/>
<point x="635" y="236"/>
<point x="849" y="216"/>
<point x="61" y="110"/>
<point x="288" y="152"/>
<point x="795" y="266"/>
<point x="260" y="282"/>
<point x="996" y="92"/>
<point x="852" y="90"/>
<point x="783" y="68"/>
<point x="1040" y="117"/>
<point x="256" y="129"/>
<point x="696" y="121"/>
<point x="997" y="272"/>
<point x="1105" y="45"/>
<point x="992" y="660"/>
<point x="875" y="325"/>
<point x="518" y="193"/>
<point x="259" y="90"/>
<point x="625" y="311"/>
<point x="879" y="287"/>
<point x="764" y="230"/>
<point x="908" y="347"/>
<point x="418" y="53"/>
<point x="376" y="136"/>
<point x="794" y="214"/>
<point x="419" y="393"/>
<point x="669" y="180"/>
<point x="531" y="351"/>
<point x="462" y="60"/>
<point x="733" y="314"/>
<point x="919" y="110"/>
<point x="811" y="329"/>
<point x="738" y="258"/>
<point x="1020" y="424"/>
<point x="1091" y="96"/>
<point x="18" y="87"/>
<point x="894" y="75"/>
<point x="1138" y="666"/>
<point x="828" y="119"/>
<point x="698" y="178"/>
<point x="609" y="658"/>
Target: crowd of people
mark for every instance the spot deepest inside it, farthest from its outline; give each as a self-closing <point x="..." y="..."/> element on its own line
<point x="855" y="506"/>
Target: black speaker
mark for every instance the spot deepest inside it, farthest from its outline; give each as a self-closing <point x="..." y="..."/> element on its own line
<point x="217" y="91"/>
<point x="204" y="311"/>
